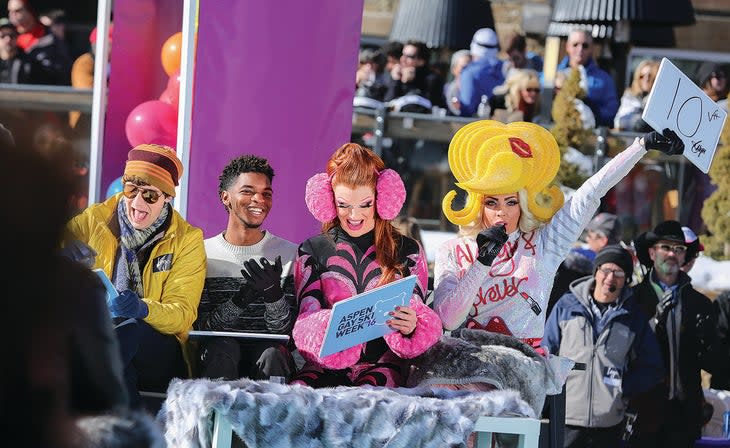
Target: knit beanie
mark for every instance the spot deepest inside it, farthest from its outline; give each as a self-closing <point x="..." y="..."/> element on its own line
<point x="617" y="255"/>
<point x="484" y="43"/>
<point x="157" y="165"/>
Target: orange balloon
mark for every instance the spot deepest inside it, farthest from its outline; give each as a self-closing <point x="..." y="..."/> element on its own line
<point x="172" y="53"/>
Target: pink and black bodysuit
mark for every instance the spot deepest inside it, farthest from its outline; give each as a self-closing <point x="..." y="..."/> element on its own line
<point x="335" y="266"/>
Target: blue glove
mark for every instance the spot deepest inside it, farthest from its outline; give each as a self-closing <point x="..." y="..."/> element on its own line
<point x="128" y="304"/>
<point x="79" y="251"/>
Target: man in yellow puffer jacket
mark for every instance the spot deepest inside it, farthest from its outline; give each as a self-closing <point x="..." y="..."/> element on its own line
<point x="155" y="259"/>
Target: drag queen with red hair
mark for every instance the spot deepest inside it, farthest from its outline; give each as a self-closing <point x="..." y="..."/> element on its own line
<point x="359" y="250"/>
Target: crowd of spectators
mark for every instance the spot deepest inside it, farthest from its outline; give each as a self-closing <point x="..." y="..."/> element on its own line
<point x="36" y="49"/>
<point x="477" y="76"/>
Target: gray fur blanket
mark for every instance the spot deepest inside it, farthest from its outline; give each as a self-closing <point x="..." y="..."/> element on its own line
<point x="469" y="356"/>
<point x="270" y="415"/>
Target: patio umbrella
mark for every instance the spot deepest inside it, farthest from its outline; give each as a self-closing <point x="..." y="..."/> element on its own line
<point x="441" y="23"/>
<point x="650" y="22"/>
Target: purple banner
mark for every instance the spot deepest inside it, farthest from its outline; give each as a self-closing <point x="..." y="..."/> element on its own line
<point x="276" y="80"/>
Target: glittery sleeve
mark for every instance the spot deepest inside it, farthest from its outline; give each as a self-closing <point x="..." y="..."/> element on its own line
<point x="563" y="230"/>
<point x="453" y="297"/>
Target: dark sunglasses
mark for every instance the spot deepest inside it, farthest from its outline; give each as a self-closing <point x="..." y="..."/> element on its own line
<point x="149" y="196"/>
<point x="410" y="56"/>
<point x="583" y="44"/>
<point x="533" y="89"/>
<point x="719" y="75"/>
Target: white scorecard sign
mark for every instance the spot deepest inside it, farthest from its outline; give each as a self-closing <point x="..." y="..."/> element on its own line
<point x="675" y="102"/>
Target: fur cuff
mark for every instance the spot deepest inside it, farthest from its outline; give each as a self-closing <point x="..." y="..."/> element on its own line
<point x="428" y="331"/>
<point x="308" y="336"/>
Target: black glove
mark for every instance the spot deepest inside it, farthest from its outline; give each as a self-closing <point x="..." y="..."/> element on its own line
<point x="244" y="296"/>
<point x="264" y="279"/>
<point x="662" y="310"/>
<point x="490" y="242"/>
<point x="667" y="142"/>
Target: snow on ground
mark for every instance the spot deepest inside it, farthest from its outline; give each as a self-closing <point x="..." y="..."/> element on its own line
<point x="432" y="239"/>
<point x="710" y="274"/>
<point x="707" y="274"/>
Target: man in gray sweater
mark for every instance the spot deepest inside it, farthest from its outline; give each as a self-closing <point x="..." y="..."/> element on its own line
<point x="248" y="286"/>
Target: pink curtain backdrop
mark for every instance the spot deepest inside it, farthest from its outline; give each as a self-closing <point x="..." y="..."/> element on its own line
<point x="276" y="80"/>
<point x="136" y="74"/>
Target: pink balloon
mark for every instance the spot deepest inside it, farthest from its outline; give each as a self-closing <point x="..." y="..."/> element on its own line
<point x="152" y="122"/>
<point x="171" y="95"/>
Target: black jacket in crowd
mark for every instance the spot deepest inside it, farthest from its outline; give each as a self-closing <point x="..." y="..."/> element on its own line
<point x="696" y="351"/>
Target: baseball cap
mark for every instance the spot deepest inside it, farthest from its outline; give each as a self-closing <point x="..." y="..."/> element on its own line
<point x="608" y="224"/>
<point x="5" y="23"/>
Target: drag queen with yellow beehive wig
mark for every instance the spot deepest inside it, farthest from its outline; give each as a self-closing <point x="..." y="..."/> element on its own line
<point x="491" y="158"/>
<point x="515" y="227"/>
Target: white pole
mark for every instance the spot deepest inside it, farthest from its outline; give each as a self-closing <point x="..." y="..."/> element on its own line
<point x="98" y="102"/>
<point x="185" y="104"/>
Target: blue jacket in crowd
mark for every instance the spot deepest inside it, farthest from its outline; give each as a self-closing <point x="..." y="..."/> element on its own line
<point x="479" y="78"/>
<point x="619" y="349"/>
<point x="601" y="96"/>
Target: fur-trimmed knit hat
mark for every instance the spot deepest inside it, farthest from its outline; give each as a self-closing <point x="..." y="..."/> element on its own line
<point x="616" y="254"/>
<point x="157" y="165"/>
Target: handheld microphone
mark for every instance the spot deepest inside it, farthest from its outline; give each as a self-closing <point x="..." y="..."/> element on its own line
<point x="491" y="247"/>
<point x="611" y="289"/>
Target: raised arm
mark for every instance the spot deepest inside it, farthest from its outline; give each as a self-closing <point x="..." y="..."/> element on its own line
<point x="566" y="225"/>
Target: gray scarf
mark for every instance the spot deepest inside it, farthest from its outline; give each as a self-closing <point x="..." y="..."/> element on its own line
<point x="127" y="274"/>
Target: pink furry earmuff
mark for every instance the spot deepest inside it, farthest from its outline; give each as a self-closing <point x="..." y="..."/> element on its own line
<point x="390" y="194"/>
<point x="320" y="198"/>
